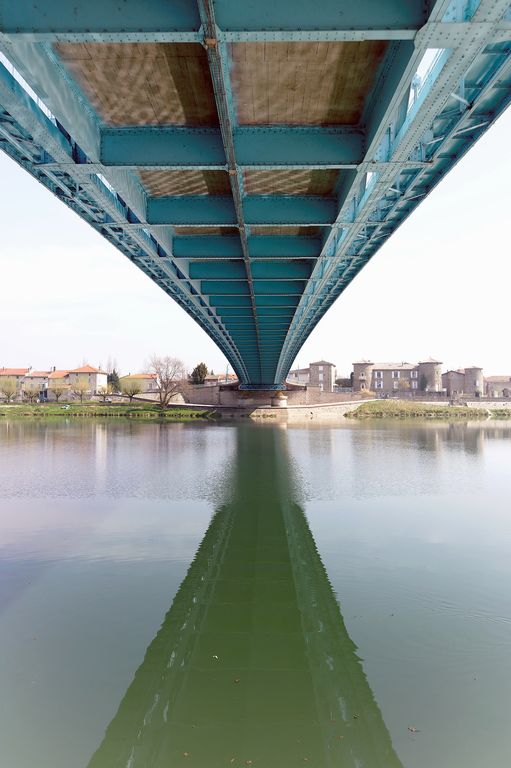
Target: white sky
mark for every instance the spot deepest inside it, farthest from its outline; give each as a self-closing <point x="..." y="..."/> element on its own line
<point x="440" y="287"/>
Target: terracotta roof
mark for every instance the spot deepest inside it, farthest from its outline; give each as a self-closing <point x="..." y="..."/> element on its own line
<point x="87" y="369"/>
<point x="14" y="371"/>
<point x="57" y="374"/>
<point x="139" y="376"/>
<point x="37" y="374"/>
<point x="431" y="360"/>
<point x="322" y="362"/>
<point x="495" y="379"/>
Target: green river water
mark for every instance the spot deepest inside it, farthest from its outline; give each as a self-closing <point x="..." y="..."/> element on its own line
<point x="250" y="595"/>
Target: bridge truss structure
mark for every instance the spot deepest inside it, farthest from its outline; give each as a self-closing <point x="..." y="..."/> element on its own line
<point x="249" y="157"/>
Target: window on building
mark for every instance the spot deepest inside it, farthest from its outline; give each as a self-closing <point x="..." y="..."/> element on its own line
<point x="414" y="385"/>
<point x="378" y="384"/>
<point x="414" y="374"/>
<point x="378" y="374"/>
<point x="395" y="384"/>
<point x="320" y="368"/>
<point x="395" y="374"/>
<point x="321" y="376"/>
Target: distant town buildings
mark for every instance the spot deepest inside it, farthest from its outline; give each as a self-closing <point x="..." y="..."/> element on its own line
<point x="53" y="384"/>
<point x="319" y="374"/>
<point x="382" y="379"/>
<point x="426" y="376"/>
<point x="389" y="378"/>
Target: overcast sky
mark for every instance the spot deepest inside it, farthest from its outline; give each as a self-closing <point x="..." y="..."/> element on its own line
<point x="440" y="287"/>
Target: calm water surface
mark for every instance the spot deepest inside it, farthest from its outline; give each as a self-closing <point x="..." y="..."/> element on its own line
<point x="203" y="596"/>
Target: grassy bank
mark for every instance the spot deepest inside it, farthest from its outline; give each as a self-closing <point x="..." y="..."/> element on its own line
<point x="103" y="410"/>
<point x="406" y="409"/>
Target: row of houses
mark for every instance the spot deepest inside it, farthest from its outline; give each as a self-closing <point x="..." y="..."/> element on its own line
<point x="65" y="383"/>
<point x="50" y="385"/>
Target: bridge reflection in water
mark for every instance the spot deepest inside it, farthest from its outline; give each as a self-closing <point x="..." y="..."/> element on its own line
<point x="253" y="664"/>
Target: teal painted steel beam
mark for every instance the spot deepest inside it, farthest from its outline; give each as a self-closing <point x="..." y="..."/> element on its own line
<point x="281" y="270"/>
<point x="260" y="247"/>
<point x="220" y="270"/>
<point x="100" y="20"/>
<point x="265" y="246"/>
<point x="207" y="210"/>
<point x="366" y="15"/>
<point x="207" y="246"/>
<point x="169" y="146"/>
<point x="256" y="147"/>
<point x="230" y="301"/>
<point x="235" y="270"/>
<point x="279" y="287"/>
<point x="226" y="313"/>
<point x="218" y="62"/>
<point x="290" y="209"/>
<point x="240" y="287"/>
<point x="225" y="288"/>
<point x="304" y="146"/>
<point x="160" y="21"/>
<point x="276" y="301"/>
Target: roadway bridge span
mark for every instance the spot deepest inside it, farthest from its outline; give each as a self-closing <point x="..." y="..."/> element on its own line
<point x="249" y="157"/>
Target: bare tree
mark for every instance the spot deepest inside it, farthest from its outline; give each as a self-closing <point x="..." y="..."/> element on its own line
<point x="103" y="392"/>
<point x="170" y="372"/>
<point x="8" y="387"/>
<point x="31" y="391"/>
<point x="58" y="388"/>
<point x="130" y="388"/>
<point x="80" y="387"/>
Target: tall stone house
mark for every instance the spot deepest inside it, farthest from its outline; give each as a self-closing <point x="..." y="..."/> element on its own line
<point x="389" y="378"/>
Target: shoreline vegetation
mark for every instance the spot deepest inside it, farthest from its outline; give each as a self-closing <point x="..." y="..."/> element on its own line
<point x="404" y="409"/>
<point x="102" y="410"/>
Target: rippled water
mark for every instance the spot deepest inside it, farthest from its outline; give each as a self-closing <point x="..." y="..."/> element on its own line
<point x="223" y="595"/>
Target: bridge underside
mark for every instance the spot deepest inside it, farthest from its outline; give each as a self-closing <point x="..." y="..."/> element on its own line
<point x="250" y="157"/>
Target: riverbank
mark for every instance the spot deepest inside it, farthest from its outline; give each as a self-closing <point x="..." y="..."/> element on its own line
<point x="104" y="410"/>
<point x="406" y="409"/>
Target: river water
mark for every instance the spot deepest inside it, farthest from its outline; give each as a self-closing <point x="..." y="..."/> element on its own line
<point x="249" y="595"/>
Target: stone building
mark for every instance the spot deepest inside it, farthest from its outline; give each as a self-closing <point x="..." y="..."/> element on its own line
<point x="390" y="378"/>
<point x="146" y="381"/>
<point x="95" y="378"/>
<point x="320" y="374"/>
<point x="13" y="374"/>
<point x="299" y="376"/>
<point x="464" y="381"/>
<point x="498" y="386"/>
